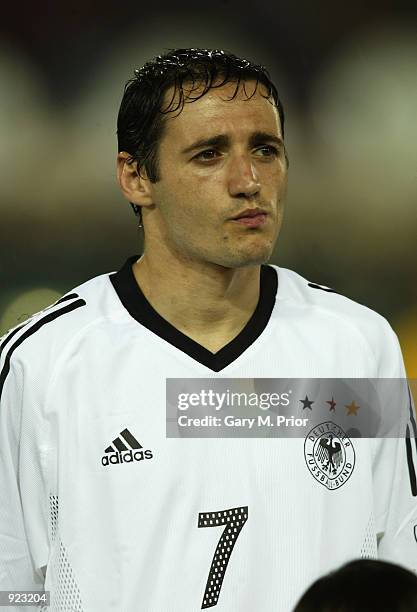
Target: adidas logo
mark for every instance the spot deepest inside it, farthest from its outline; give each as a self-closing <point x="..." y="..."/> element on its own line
<point x="125" y="450"/>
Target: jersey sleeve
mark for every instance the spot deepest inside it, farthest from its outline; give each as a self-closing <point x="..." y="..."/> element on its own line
<point x="23" y="518"/>
<point x="395" y="465"/>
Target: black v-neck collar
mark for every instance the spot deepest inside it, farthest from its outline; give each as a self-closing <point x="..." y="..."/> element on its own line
<point x="139" y="308"/>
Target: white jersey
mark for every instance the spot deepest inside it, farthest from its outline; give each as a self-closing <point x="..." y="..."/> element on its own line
<point x="181" y="525"/>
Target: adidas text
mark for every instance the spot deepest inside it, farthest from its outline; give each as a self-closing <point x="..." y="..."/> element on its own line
<point x="126" y="457"/>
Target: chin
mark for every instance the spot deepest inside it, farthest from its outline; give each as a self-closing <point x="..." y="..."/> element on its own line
<point x="254" y="257"/>
<point x="257" y="255"/>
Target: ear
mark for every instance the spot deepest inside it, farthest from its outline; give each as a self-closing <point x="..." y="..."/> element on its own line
<point x="136" y="189"/>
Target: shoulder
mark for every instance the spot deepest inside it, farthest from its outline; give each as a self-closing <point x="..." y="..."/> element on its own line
<point x="294" y="287"/>
<point x="339" y="313"/>
<point x="37" y="343"/>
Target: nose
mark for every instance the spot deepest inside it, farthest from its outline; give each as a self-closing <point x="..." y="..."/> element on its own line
<point x="243" y="178"/>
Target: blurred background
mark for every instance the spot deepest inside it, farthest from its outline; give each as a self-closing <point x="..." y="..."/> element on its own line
<point x="347" y="75"/>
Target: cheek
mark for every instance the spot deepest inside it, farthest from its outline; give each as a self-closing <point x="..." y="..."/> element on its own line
<point x="279" y="186"/>
<point x="194" y="197"/>
<point x="183" y="209"/>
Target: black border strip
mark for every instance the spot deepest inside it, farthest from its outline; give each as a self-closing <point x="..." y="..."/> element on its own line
<point x="33" y="329"/>
<point x="139" y="308"/>
<point x="411" y="470"/>
<point x="11" y="334"/>
<point x="412" y="416"/>
<point x="315" y="286"/>
<point x="70" y="296"/>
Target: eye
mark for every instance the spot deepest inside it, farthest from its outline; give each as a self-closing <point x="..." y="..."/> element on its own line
<point x="268" y="151"/>
<point x="207" y="155"/>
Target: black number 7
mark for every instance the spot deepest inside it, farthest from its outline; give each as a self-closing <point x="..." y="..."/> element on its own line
<point x="233" y="519"/>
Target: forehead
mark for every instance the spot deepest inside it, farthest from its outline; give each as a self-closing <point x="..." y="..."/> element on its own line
<point x="222" y="109"/>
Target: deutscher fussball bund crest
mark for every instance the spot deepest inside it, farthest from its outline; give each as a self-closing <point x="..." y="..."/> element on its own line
<point x="329" y="455"/>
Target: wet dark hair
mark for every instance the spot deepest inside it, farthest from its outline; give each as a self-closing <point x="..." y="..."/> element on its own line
<point x="365" y="584"/>
<point x="140" y="121"/>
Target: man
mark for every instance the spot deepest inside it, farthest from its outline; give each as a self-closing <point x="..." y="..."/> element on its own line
<point x="98" y="505"/>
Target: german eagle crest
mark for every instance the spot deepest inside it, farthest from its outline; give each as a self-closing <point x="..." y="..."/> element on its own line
<point x="329" y="455"/>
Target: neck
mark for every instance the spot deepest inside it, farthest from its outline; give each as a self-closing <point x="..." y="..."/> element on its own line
<point x="206" y="302"/>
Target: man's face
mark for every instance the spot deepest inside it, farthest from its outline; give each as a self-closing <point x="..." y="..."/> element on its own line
<point x="204" y="187"/>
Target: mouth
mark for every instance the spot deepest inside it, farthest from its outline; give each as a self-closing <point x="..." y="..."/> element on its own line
<point x="251" y="217"/>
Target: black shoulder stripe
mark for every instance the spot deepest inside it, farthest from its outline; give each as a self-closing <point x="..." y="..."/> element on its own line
<point x="70" y="296"/>
<point x="412" y="416"/>
<point x="10" y="335"/>
<point x="411" y="470"/>
<point x="314" y="286"/>
<point x="33" y="329"/>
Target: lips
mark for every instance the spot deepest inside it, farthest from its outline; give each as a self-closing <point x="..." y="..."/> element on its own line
<point x="249" y="213"/>
<point x="252" y="220"/>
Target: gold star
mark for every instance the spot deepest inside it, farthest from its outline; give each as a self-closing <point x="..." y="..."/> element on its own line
<point x="352" y="408"/>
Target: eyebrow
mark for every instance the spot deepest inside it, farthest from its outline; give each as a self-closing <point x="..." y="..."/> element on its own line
<point x="223" y="140"/>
